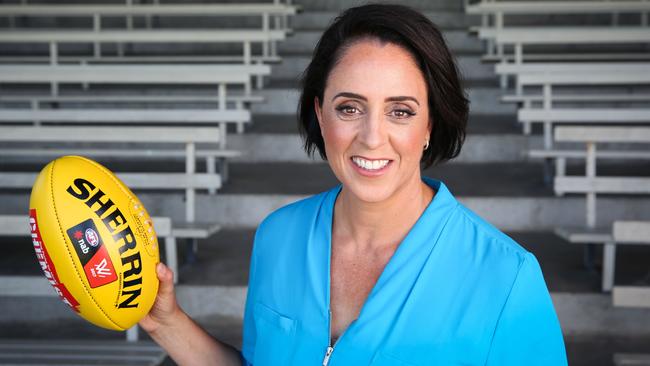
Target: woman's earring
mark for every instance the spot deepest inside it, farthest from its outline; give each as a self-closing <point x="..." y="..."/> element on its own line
<point x="426" y="146"/>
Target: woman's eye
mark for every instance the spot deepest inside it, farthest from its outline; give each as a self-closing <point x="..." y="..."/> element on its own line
<point x="348" y="109"/>
<point x="402" y="113"/>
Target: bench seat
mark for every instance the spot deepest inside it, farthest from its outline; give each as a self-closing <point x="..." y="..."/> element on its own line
<point x="125" y="115"/>
<point x="631" y="359"/>
<point x="601" y="56"/>
<point x="581" y="154"/>
<point x="585" y="235"/>
<point x="165" y="9"/>
<point x="132" y="74"/>
<point x="194" y="230"/>
<point x="575" y="98"/>
<point x="16" y="98"/>
<point x="160" y="35"/>
<point x="162" y="181"/>
<point x="79" y="352"/>
<point x="188" y="180"/>
<point x="602" y="185"/>
<point x="142" y="58"/>
<point x="631" y="296"/>
<point x="118" y="153"/>
<point x="213" y="157"/>
<point x="570" y="67"/>
<point x="585" y="115"/>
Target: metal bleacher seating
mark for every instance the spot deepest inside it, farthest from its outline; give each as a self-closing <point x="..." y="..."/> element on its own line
<point x="592" y="185"/>
<point x="602" y="95"/>
<point x="267" y="34"/>
<point x="493" y="18"/>
<point x="587" y="85"/>
<point x="128" y="95"/>
<point x="555" y="81"/>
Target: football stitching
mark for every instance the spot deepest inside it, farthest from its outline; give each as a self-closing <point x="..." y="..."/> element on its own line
<point x="56" y="214"/>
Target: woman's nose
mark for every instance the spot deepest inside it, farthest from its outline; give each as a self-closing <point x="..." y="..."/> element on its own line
<point x="373" y="130"/>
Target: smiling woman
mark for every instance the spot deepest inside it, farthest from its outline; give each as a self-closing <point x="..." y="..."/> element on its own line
<point x="387" y="268"/>
<point x="374" y="128"/>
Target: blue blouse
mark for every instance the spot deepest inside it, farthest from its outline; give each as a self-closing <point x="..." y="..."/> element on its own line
<point x="456" y="291"/>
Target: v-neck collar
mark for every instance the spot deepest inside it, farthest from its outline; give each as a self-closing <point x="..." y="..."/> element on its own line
<point x="415" y="247"/>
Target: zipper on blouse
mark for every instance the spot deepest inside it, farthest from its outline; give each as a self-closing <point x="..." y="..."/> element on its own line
<point x="326" y="360"/>
<point x="330" y="346"/>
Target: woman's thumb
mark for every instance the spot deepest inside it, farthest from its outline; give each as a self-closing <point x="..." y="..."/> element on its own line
<point x="166" y="278"/>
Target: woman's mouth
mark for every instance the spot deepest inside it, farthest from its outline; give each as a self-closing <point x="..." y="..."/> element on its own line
<point x="370" y="166"/>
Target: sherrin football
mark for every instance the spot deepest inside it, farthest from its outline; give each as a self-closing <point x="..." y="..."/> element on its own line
<point x="94" y="241"/>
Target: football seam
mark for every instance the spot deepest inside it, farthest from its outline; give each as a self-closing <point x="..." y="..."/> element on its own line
<point x="56" y="214"/>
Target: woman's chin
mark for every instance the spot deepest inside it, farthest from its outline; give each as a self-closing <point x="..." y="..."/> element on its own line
<point x="370" y="193"/>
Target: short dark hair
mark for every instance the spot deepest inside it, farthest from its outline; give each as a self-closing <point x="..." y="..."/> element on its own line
<point x="405" y="27"/>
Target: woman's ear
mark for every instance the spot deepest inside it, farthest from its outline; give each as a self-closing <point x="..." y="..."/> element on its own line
<point x="318" y="109"/>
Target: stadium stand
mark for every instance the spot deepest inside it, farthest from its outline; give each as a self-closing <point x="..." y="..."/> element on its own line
<point x="573" y="36"/>
<point x="131" y="76"/>
<point x="592" y="185"/>
<point x="592" y="76"/>
<point x="268" y="35"/>
<point x="493" y="14"/>
<point x="591" y="81"/>
<point x="134" y="97"/>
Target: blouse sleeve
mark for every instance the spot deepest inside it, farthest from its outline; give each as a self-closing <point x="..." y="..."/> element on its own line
<point x="528" y="331"/>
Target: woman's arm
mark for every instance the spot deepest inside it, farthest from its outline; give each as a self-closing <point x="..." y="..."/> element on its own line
<point x="184" y="340"/>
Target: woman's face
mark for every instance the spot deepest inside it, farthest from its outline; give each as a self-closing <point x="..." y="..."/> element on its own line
<point x="375" y="120"/>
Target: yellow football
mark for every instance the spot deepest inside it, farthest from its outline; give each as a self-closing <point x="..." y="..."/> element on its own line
<point x="94" y="241"/>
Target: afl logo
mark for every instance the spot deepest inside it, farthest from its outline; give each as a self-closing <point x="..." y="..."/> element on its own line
<point x="91" y="237"/>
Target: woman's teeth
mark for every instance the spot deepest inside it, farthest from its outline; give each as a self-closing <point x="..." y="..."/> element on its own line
<point x="369" y="164"/>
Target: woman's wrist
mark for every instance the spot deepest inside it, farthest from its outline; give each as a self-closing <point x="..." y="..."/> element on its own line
<point x="171" y="325"/>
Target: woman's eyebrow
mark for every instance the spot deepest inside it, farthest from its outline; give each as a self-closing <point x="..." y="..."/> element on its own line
<point x="350" y="95"/>
<point x="401" y="99"/>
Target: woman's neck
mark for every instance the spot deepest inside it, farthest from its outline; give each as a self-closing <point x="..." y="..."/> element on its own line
<point x="380" y="225"/>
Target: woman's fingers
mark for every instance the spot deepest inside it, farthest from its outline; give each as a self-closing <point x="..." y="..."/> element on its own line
<point x="164" y="307"/>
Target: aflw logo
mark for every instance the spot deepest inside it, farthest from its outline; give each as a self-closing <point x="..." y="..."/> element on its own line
<point x="101" y="269"/>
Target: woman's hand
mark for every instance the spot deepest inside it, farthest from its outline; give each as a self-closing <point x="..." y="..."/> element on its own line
<point x="184" y="340"/>
<point x="165" y="310"/>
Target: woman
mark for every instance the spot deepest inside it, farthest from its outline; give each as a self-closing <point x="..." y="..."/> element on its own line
<point x="388" y="268"/>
